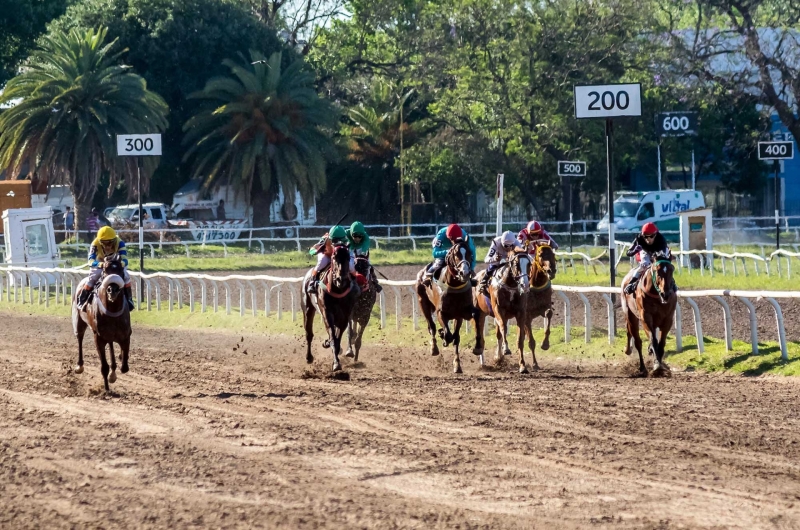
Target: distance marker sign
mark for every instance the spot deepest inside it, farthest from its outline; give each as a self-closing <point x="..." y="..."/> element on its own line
<point x="608" y="101"/>
<point x="138" y="145"/>
<point x="571" y="169"/>
<point x="775" y="150"/>
<point x="676" y="123"/>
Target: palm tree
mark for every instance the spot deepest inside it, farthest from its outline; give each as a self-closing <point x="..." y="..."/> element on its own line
<point x="261" y="129"/>
<point x="69" y="102"/>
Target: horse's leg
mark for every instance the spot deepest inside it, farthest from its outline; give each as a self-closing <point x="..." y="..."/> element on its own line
<point x="101" y="352"/>
<point x="662" y="341"/>
<point x="336" y="339"/>
<point x="359" y="334"/>
<point x="79" y="333"/>
<point x="502" y="336"/>
<point x="308" y="324"/>
<point x="652" y="348"/>
<point x="112" y="377"/>
<point x="125" y="346"/>
<point x="456" y="342"/>
<point x="350" y="333"/>
<point x="633" y="332"/>
<point x="480" y="343"/>
<point x="532" y="341"/>
<point x="444" y="330"/>
<point x="521" y="344"/>
<point x="548" y="317"/>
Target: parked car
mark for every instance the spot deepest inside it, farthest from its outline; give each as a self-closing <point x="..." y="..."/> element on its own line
<point x="127" y="215"/>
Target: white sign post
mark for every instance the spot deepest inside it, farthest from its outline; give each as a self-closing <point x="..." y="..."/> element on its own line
<point x="499" y="222"/>
<point x="139" y="145"/>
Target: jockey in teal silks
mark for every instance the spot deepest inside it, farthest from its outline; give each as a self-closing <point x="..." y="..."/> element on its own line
<point x="442" y="243"/>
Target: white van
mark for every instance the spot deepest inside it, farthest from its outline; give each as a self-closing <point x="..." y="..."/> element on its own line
<point x="633" y="209"/>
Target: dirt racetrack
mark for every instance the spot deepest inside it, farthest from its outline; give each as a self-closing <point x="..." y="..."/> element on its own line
<point x="200" y="435"/>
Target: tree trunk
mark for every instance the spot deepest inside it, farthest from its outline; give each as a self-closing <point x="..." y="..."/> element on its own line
<point x="82" y="209"/>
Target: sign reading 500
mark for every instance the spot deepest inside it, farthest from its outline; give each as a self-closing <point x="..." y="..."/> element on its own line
<point x="608" y="101"/>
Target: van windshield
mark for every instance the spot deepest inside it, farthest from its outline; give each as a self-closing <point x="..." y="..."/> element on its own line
<point x="123" y="213"/>
<point x="625" y="208"/>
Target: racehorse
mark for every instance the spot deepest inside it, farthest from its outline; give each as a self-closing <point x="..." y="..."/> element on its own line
<point x="540" y="296"/>
<point x="108" y="316"/>
<point x="508" y="295"/>
<point x="362" y="310"/>
<point x="450" y="297"/>
<point x="334" y="297"/>
<point x="653" y="304"/>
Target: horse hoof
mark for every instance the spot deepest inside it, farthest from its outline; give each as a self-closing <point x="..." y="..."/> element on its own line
<point x="349" y="353"/>
<point x="112" y="377"/>
<point x="337" y="367"/>
<point x="536" y="367"/>
<point x="309" y="359"/>
<point x="477" y="351"/>
<point x="326" y="343"/>
<point x="457" y="370"/>
<point x="78" y="369"/>
<point x="125" y="368"/>
<point x="546" y="345"/>
<point x="507" y="352"/>
<point x="661" y="371"/>
<point x="523" y="370"/>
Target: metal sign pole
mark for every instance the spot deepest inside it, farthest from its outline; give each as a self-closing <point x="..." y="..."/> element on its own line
<point x="141" y="223"/>
<point x="694" y="178"/>
<point x="777" y="165"/>
<point x="499" y="221"/>
<point x="610" y="199"/>
<point x="658" y="151"/>
<point x="569" y="188"/>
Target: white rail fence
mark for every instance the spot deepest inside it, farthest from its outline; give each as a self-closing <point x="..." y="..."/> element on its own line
<point x="204" y="292"/>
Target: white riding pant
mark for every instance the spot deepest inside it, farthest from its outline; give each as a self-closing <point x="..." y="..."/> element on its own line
<point x="645" y="260"/>
<point x="96" y="274"/>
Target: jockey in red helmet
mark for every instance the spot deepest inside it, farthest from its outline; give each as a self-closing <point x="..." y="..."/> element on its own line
<point x="649" y="242"/>
<point x="533" y="233"/>
<point x="441" y="244"/>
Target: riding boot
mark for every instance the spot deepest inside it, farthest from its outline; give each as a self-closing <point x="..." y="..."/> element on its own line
<point x="377" y="286"/>
<point x="129" y="298"/>
<point x="313" y="282"/>
<point x="631" y="287"/>
<point x="83" y="297"/>
<point x="484" y="285"/>
<point x="674" y="286"/>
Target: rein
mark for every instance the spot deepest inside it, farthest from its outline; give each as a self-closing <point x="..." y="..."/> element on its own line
<point x="329" y="286"/>
<point x="653" y="276"/>
<point x="539" y="269"/>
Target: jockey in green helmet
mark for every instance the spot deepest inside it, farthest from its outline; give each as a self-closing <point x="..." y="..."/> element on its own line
<point x="359" y="243"/>
<point x="336" y="236"/>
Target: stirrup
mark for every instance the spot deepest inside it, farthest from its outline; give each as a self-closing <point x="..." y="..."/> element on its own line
<point x="631" y="288"/>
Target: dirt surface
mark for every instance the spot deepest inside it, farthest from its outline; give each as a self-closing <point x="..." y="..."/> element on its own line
<point x="224" y="431"/>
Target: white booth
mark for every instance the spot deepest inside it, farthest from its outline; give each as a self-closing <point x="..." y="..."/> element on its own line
<point x="697" y="233"/>
<point x="29" y="237"/>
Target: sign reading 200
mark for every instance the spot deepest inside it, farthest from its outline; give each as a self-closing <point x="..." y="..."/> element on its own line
<point x="608" y="101"/>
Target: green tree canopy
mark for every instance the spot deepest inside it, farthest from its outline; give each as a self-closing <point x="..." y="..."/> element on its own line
<point x="70" y="102"/>
<point x="261" y="128"/>
<point x="176" y="45"/>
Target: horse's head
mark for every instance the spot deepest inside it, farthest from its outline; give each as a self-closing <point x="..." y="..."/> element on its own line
<point x="459" y="259"/>
<point x="113" y="277"/>
<point x="362" y="265"/>
<point x="661" y="271"/>
<point x="340" y="266"/>
<point x="546" y="259"/>
<point x="520" y="263"/>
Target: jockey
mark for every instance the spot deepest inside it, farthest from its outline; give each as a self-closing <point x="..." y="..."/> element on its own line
<point x="441" y="245"/>
<point x="358" y="242"/>
<point x="105" y="244"/>
<point x="646" y="244"/>
<point x="324" y="250"/>
<point x="497" y="256"/>
<point x="534" y="232"/>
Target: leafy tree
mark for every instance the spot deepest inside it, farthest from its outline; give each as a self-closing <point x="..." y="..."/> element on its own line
<point x="22" y="22"/>
<point x="74" y="98"/>
<point x="176" y="45"/>
<point x="261" y="128"/>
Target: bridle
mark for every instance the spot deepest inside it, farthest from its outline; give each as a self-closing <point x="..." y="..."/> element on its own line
<point x="653" y="279"/>
<point x="336" y="270"/>
<point x="538" y="268"/>
<point x="516" y="272"/>
<point x="454" y="264"/>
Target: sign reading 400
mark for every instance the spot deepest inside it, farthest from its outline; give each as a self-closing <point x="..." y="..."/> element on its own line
<point x="138" y="145"/>
<point x="608" y="101"/>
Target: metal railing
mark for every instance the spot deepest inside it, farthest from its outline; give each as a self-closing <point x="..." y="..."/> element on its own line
<point x="203" y="293"/>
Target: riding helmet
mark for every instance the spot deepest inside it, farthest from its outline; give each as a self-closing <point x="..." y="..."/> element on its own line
<point x="649" y="229"/>
<point x="337" y="233"/>
<point x="534" y="227"/>
<point x="454" y="232"/>
<point x="509" y="239"/>
<point x="106" y="233"/>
